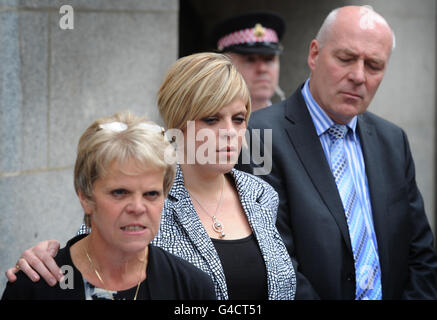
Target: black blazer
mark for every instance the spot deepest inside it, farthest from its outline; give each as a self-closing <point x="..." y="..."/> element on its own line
<point x="311" y="218"/>
<point x="169" y="278"/>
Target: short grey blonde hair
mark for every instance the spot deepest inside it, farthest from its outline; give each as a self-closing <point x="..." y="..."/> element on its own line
<point x="198" y="86"/>
<point x="102" y="144"/>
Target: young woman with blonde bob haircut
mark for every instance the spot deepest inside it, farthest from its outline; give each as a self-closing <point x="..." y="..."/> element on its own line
<point x="220" y="219"/>
<point x="121" y="179"/>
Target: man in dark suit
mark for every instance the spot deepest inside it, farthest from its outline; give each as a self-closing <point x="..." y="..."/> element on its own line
<point x="325" y="222"/>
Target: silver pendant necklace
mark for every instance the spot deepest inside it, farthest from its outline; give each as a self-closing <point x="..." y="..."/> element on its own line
<point x="217" y="226"/>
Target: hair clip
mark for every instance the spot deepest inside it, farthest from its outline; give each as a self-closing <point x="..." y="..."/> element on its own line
<point x="151" y="127"/>
<point x="113" y="126"/>
<point x="117" y="126"/>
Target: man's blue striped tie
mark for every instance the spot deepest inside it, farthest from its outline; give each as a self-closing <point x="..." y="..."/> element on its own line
<point x="367" y="269"/>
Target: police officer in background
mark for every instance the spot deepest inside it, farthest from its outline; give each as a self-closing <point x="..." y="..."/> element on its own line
<point x="252" y="42"/>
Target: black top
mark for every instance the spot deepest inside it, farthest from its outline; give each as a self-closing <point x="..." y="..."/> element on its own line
<point x="244" y="268"/>
<point x="168" y="278"/>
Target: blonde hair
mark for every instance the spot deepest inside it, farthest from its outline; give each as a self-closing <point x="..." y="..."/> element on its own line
<point x="198" y="86"/>
<point x="120" y="137"/>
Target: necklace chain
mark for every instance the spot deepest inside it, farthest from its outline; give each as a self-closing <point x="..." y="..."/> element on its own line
<point x="217" y="226"/>
<point x="146" y="250"/>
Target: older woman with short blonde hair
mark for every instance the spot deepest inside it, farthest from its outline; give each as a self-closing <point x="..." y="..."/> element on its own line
<point x="120" y="138"/>
<point x="121" y="178"/>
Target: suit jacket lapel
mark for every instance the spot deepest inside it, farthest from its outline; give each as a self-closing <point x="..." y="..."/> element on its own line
<point x="303" y="137"/>
<point x="186" y="215"/>
<point x="253" y="209"/>
<point x="372" y="158"/>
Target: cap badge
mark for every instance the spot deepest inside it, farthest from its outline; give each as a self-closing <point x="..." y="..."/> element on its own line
<point x="259" y="31"/>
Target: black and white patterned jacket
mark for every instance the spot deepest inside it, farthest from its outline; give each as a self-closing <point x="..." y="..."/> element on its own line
<point x="182" y="233"/>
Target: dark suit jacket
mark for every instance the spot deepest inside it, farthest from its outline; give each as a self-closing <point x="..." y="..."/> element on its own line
<point x="168" y="278"/>
<point x="311" y="218"/>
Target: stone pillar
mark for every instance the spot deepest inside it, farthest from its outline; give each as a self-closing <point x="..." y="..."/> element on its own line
<point x="53" y="84"/>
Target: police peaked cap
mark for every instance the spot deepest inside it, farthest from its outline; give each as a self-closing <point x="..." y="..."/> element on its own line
<point x="251" y="33"/>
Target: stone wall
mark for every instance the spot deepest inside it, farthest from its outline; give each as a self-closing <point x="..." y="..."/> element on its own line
<point x="53" y="84"/>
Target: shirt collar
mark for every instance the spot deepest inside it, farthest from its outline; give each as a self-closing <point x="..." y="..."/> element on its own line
<point x="321" y="120"/>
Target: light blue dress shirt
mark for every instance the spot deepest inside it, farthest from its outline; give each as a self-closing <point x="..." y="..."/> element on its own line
<point x="322" y="123"/>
